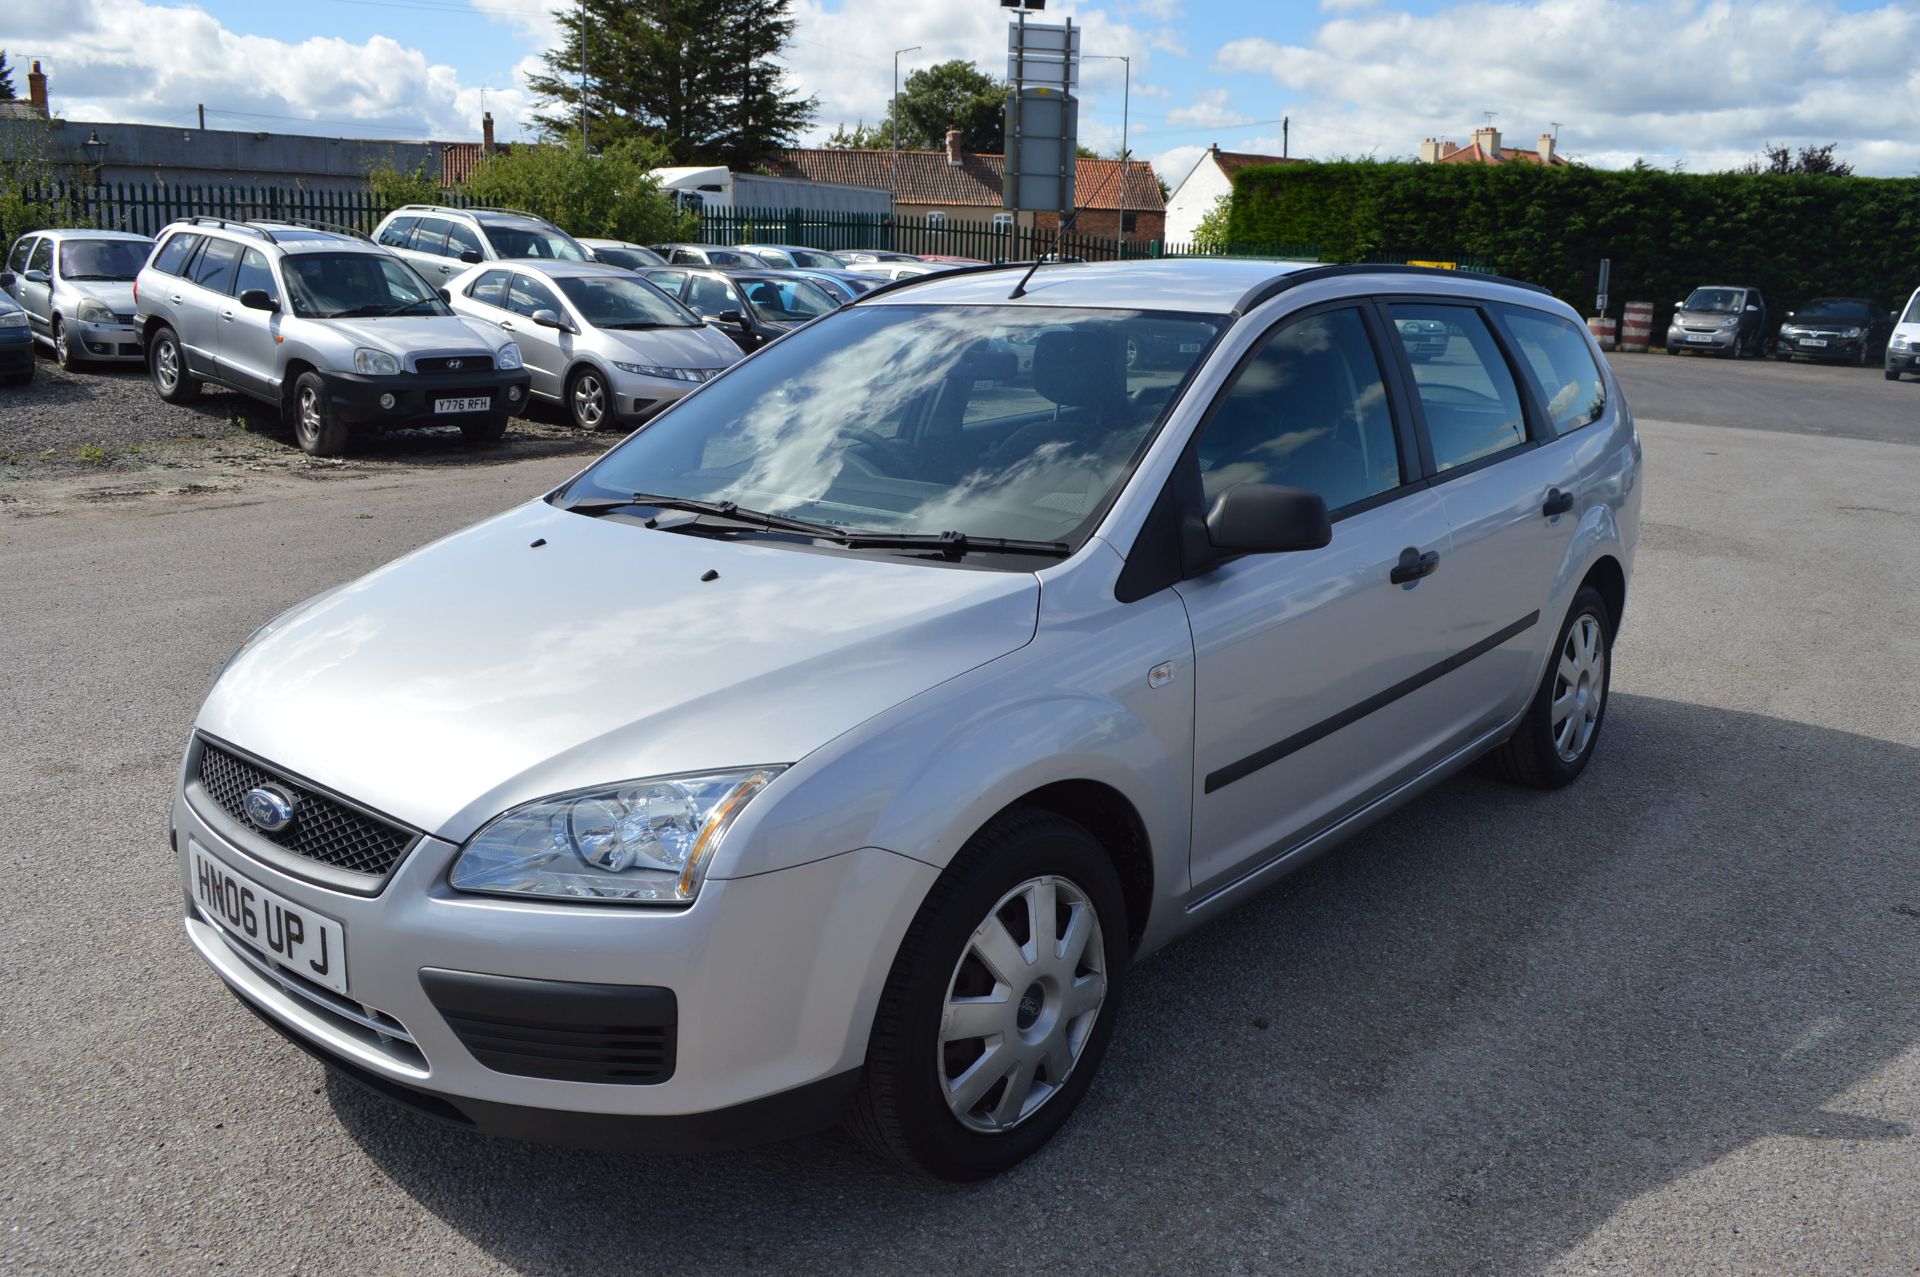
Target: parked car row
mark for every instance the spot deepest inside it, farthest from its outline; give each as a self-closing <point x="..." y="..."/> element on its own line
<point x="1732" y="321"/>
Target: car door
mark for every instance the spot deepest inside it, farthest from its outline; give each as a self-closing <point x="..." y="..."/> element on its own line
<point x="247" y="337"/>
<point x="711" y="296"/>
<point x="1315" y="689"/>
<point x="209" y="293"/>
<point x="17" y="263"/>
<point x="36" y="287"/>
<point x="541" y="348"/>
<point x="427" y="250"/>
<point x="1510" y="486"/>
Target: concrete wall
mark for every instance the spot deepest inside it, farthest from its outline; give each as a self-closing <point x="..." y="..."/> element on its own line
<point x="149" y="153"/>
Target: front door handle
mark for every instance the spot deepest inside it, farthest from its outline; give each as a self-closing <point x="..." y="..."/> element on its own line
<point x="227" y="315"/>
<point x="177" y="299"/>
<point x="1557" y="502"/>
<point x="506" y="325"/>
<point x="1413" y="565"/>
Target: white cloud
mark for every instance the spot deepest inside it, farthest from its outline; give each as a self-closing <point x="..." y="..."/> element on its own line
<point x="1705" y="85"/>
<point x="1208" y="111"/>
<point x="1165" y="10"/>
<point x="1346" y="6"/>
<point x="126" y="60"/>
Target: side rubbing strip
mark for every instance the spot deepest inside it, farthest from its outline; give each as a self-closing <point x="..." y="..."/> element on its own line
<point x="1354" y="713"/>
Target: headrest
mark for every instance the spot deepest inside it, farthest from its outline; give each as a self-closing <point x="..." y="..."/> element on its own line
<point x="1081" y="369"/>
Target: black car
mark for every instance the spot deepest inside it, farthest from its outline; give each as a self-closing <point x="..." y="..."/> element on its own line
<point x="750" y="306"/>
<point x="1720" y="319"/>
<point x="1851" y="330"/>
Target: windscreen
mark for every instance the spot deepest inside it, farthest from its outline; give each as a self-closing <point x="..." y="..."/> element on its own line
<point x="103" y="258"/>
<point x="356" y="286"/>
<point x="1715" y="301"/>
<point x="814" y="259"/>
<point x="526" y="240"/>
<point x="1011" y="421"/>
<point x="613" y="301"/>
<point x="631" y="258"/>
<point x="785" y="301"/>
<point x="1913" y="311"/>
<point x="1852" y="310"/>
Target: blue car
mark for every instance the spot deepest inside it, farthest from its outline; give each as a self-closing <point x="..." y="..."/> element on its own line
<point x="16" y="343"/>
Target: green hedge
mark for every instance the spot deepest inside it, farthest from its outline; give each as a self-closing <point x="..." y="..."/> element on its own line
<point x="1794" y="237"/>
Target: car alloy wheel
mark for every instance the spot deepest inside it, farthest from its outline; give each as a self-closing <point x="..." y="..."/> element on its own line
<point x="62" y="352"/>
<point x="1022" y="1004"/>
<point x="1579" y="686"/>
<point x="166" y="365"/>
<point x="589" y="401"/>
<point x="310" y="417"/>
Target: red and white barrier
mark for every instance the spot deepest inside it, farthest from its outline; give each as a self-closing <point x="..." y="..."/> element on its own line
<point x="1636" y="333"/>
<point x="1602" y="327"/>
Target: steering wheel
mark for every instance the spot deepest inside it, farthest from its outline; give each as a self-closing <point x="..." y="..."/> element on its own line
<point x="879" y="443"/>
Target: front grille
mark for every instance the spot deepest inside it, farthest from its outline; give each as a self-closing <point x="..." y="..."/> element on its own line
<point x="454" y="363"/>
<point x="324" y="830"/>
<point x="566" y="1031"/>
<point x="123" y="318"/>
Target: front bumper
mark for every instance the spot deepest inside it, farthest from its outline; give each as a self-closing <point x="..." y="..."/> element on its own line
<point x="356" y="398"/>
<point x="1904" y="360"/>
<point x="1690" y="339"/>
<point x="774" y="980"/>
<point x="109" y="343"/>
<point x="1830" y="347"/>
<point x="16" y="353"/>
<point x="638" y="399"/>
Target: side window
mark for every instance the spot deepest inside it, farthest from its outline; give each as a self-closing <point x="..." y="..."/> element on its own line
<point x="490" y="287"/>
<point x="395" y="235"/>
<point x="1467" y="392"/>
<point x="1557" y="352"/>
<point x="936" y="220"/>
<point x="1309" y="411"/>
<point x="462" y="238"/>
<point x="1002" y="222"/>
<point x="430" y="236"/>
<point x="668" y="281"/>
<point x="255" y="273"/>
<point x="687" y="257"/>
<point x="42" y="256"/>
<point x="172" y="257"/>
<point x="17" y="261"/>
<point x="710" y="296"/>
<point x="528" y="295"/>
<point x="215" y="267"/>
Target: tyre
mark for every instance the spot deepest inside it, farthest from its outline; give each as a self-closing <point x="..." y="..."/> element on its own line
<point x="1860" y="358"/>
<point x="1783" y="356"/>
<point x="63" y="352"/>
<point x="1562" y="724"/>
<point x="489" y="429"/>
<point x="1893" y="374"/>
<point x="589" y="400"/>
<point x="315" y="427"/>
<point x="168" y="365"/>
<point x="1000" y="1002"/>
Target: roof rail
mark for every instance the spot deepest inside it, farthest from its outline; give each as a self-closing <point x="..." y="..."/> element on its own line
<point x="893" y="285"/>
<point x="334" y="228"/>
<point x="230" y="224"/>
<point x="517" y="212"/>
<point x="1293" y="279"/>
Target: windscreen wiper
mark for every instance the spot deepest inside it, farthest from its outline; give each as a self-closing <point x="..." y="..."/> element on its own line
<point x="953" y="544"/>
<point x="716" y="509"/>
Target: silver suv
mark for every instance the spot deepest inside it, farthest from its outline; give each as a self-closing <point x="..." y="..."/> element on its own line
<point x="441" y="241"/>
<point x="334" y="332"/>
<point x="77" y="289"/>
<point x="836" y="743"/>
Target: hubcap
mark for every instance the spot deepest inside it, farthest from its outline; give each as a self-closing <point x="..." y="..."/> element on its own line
<point x="310" y="413"/>
<point x="1021" y="1005"/>
<point x="1579" y="684"/>
<point x="166" y="364"/>
<point x="60" y="342"/>
<point x="589" y="401"/>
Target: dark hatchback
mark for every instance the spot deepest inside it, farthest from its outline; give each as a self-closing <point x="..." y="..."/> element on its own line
<point x="751" y="306"/>
<point x="16" y="343"/>
<point x="1851" y="330"/>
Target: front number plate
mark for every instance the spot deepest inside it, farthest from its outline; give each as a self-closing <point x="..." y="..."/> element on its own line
<point x="1692" y="337"/>
<point x="304" y="942"/>
<point x="1813" y="341"/>
<point x="463" y="405"/>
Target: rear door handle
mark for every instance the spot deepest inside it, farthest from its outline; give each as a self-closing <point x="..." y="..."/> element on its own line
<point x="1413" y="565"/>
<point x="177" y="299"/>
<point x="1557" y="502"/>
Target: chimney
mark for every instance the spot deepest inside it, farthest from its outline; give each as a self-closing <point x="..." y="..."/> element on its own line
<point x="486" y="134"/>
<point x="37" y="88"/>
<point x="1546" y="148"/>
<point x="1431" y="151"/>
<point x="1488" y="140"/>
<point x="953" y="147"/>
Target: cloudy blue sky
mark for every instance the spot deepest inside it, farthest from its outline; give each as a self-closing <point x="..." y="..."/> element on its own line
<point x="1697" y="83"/>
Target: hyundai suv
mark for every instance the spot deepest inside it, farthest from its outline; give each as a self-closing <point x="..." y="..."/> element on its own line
<point x="835" y="744"/>
<point x="334" y="332"/>
<point x="441" y="241"/>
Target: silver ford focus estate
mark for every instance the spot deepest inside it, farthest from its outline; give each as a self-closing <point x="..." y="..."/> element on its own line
<point x="832" y="746"/>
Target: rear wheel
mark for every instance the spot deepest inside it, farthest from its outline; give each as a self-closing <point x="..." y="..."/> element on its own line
<point x="1556" y="738"/>
<point x="1000" y="1002"/>
<point x="168" y="365"/>
<point x="318" y="431"/>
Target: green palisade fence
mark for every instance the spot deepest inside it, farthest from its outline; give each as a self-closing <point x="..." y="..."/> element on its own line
<point x="145" y="207"/>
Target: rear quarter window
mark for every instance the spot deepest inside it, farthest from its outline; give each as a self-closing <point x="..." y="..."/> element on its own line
<point x="173" y="254"/>
<point x="1557" y="353"/>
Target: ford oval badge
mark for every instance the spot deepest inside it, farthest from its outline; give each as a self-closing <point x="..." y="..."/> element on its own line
<point x="270" y="808"/>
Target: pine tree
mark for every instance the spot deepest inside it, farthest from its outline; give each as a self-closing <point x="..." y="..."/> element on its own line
<point x="6" y="78"/>
<point x="697" y="78"/>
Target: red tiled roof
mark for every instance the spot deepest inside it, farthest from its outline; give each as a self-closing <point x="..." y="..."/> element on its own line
<point x="459" y="159"/>
<point x="1474" y="153"/>
<point x="925" y="177"/>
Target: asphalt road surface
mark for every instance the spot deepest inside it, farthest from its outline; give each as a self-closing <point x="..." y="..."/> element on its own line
<point x="1661" y="1022"/>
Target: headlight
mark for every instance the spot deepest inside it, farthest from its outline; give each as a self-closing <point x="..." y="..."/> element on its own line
<point x="1898" y="343"/>
<point x="1731" y="321"/>
<point x="93" y="312"/>
<point x="639" y="842"/>
<point x="508" y="356"/>
<point x="671" y="374"/>
<point x="1852" y="332"/>
<point x="369" y="362"/>
<point x="13" y="319"/>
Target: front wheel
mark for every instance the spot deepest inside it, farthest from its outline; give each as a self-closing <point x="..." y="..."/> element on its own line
<point x="63" y="352"/>
<point x="168" y="365"/>
<point x="588" y="398"/>
<point x="1893" y="374"/>
<point x="316" y="428"/>
<point x="1556" y="738"/>
<point x="1000" y="1002"/>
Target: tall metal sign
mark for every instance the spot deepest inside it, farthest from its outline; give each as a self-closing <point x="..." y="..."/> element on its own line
<point x="1043" y="116"/>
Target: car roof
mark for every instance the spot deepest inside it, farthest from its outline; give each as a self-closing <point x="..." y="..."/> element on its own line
<point x="81" y="232"/>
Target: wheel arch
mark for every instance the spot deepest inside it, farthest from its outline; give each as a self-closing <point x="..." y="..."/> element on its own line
<point x="1115" y="824"/>
<point x="1610" y="579"/>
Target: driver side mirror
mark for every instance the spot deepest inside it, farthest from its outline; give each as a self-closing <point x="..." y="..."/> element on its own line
<point x="257" y="299"/>
<point x="445" y="295"/>
<point x="471" y="256"/>
<point x="1268" y="518"/>
<point x="1752" y="309"/>
<point x="733" y="317"/>
<point x="35" y="277"/>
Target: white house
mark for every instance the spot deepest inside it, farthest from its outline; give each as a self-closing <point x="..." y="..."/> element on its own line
<point x="1209" y="179"/>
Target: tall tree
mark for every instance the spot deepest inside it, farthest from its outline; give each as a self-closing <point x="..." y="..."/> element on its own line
<point x="6" y="78"/>
<point x="1818" y="160"/>
<point x="954" y="94"/>
<point x="697" y="78"/>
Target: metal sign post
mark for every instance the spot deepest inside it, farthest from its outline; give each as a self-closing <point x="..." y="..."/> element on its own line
<point x="1606" y="273"/>
<point x="1043" y="65"/>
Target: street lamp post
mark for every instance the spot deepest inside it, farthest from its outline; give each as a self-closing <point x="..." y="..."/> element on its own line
<point x="893" y="165"/>
<point x="1126" y="94"/>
